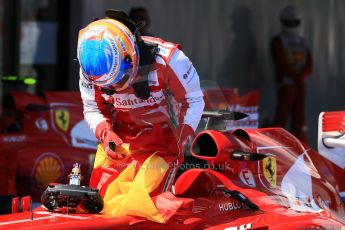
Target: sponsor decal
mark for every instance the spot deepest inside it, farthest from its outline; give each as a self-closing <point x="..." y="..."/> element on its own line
<point x="264" y="165"/>
<point x="244" y="109"/>
<point x="41" y="124"/>
<point x="62" y="119"/>
<point x="98" y="36"/>
<point x="48" y="168"/>
<point x="190" y="72"/>
<point x="229" y="206"/>
<point x="269" y="167"/>
<point x="130" y="101"/>
<point x="114" y="54"/>
<point x="185" y="76"/>
<point x="163" y="51"/>
<point x="86" y="85"/>
<point x="247" y="178"/>
<point x="153" y="78"/>
<point x="21" y="138"/>
<point x="251" y="122"/>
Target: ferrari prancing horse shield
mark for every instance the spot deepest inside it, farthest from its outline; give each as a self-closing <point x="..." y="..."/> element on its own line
<point x="62" y="119"/>
<point x="269" y="167"/>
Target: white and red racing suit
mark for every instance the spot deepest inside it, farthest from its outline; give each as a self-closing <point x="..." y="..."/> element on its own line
<point x="149" y="125"/>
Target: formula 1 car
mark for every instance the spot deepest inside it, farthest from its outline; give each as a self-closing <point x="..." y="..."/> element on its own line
<point x="41" y="137"/>
<point x="252" y="179"/>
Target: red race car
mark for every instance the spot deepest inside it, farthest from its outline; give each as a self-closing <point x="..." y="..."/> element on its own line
<point x="41" y="137"/>
<point x="245" y="179"/>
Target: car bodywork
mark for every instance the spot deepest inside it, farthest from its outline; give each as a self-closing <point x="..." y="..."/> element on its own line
<point x="41" y="137"/>
<point x="247" y="179"/>
<point x="287" y="181"/>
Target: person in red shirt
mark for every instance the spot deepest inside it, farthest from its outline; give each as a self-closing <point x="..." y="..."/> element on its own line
<point x="139" y="91"/>
<point x="293" y="64"/>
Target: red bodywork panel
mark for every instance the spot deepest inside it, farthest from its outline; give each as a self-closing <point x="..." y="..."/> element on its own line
<point x="39" y="141"/>
<point x="207" y="207"/>
<point x="200" y="211"/>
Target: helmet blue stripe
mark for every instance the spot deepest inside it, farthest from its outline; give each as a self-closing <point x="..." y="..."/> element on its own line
<point x="94" y="58"/>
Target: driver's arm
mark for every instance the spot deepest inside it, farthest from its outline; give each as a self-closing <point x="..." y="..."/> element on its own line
<point x="183" y="82"/>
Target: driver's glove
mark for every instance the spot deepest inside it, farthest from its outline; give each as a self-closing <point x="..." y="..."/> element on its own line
<point x="110" y="141"/>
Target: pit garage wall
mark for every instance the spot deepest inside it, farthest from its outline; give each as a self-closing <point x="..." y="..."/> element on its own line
<point x="228" y="42"/>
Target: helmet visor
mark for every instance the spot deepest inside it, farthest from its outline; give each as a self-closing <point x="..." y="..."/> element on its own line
<point x="106" y="81"/>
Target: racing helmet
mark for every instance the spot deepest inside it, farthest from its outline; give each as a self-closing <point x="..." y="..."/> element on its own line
<point x="290" y="18"/>
<point x="108" y="54"/>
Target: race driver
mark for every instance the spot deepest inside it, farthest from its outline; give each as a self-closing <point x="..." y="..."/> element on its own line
<point x="293" y="64"/>
<point x="137" y="91"/>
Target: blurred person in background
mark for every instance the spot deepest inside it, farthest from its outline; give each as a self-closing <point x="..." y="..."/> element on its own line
<point x="138" y="15"/>
<point x="142" y="99"/>
<point x="293" y="64"/>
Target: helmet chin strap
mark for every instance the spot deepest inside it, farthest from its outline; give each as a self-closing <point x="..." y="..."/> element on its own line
<point x="147" y="53"/>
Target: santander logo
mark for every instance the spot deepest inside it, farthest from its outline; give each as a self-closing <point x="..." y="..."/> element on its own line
<point x="130" y="101"/>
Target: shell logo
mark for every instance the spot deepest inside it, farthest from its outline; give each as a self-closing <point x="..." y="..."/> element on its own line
<point x="48" y="168"/>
